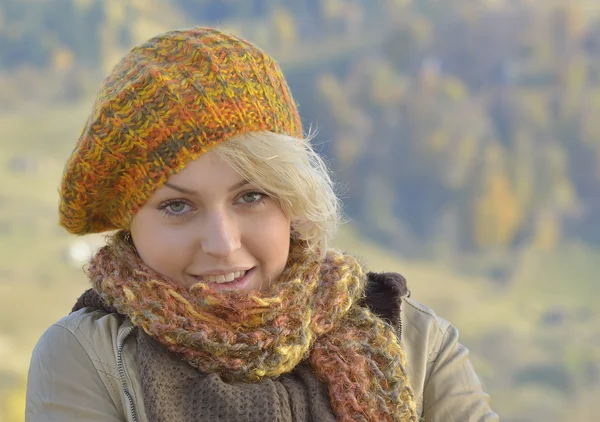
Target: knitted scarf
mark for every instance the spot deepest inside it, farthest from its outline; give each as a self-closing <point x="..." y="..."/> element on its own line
<point x="313" y="313"/>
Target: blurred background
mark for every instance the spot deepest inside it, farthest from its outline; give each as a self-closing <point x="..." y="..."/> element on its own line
<point x="464" y="134"/>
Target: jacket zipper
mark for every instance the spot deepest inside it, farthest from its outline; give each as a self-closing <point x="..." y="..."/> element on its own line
<point x="400" y="329"/>
<point x="400" y="316"/>
<point x="121" y="371"/>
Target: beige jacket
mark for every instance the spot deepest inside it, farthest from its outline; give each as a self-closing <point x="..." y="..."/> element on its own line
<point x="84" y="369"/>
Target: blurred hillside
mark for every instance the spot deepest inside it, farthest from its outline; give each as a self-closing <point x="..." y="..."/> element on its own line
<point x="463" y="134"/>
<point x="460" y="129"/>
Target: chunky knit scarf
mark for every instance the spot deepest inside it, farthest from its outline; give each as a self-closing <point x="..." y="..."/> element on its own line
<point x="313" y="314"/>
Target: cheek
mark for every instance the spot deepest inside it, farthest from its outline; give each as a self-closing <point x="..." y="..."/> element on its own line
<point x="161" y="248"/>
<point x="269" y="240"/>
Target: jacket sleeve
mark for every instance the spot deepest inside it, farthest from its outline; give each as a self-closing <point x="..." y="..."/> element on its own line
<point x="453" y="392"/>
<point x="63" y="384"/>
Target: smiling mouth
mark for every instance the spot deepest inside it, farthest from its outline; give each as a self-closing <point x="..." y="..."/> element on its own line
<point x="222" y="278"/>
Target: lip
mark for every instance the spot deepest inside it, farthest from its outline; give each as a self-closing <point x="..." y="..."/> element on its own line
<point x="239" y="284"/>
<point x="221" y="272"/>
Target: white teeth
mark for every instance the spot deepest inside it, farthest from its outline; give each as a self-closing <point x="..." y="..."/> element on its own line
<point x="225" y="278"/>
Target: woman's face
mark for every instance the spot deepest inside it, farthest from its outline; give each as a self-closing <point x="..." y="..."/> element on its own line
<point x="208" y="224"/>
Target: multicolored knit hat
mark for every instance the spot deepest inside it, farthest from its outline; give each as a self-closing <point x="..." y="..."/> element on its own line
<point x="165" y="103"/>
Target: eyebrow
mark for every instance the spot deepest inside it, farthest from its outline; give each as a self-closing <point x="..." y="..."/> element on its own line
<point x="194" y="193"/>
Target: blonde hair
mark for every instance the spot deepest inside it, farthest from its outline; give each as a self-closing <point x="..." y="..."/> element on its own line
<point x="289" y="170"/>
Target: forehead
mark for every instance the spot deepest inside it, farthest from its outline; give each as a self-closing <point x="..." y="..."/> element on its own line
<point x="208" y="172"/>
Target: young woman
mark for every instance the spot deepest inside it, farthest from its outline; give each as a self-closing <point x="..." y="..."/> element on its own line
<point x="216" y="297"/>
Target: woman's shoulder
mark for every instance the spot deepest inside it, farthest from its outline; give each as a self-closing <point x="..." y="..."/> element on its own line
<point x="92" y="323"/>
<point x="88" y="336"/>
<point x="439" y="367"/>
<point x="423" y="331"/>
<point x="96" y="331"/>
<point x="74" y="364"/>
<point x="418" y="315"/>
<point x="423" y="334"/>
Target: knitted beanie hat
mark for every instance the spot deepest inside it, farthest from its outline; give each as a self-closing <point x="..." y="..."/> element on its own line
<point x="165" y="103"/>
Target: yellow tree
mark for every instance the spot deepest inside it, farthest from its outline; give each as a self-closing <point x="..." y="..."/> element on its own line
<point x="496" y="212"/>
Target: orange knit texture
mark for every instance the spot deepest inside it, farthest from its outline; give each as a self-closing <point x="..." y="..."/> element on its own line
<point x="165" y="103"/>
<point x="311" y="314"/>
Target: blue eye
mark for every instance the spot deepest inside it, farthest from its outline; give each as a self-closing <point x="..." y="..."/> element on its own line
<point x="175" y="208"/>
<point x="251" y="197"/>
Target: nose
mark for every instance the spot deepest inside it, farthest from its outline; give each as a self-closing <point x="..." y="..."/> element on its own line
<point x="220" y="234"/>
